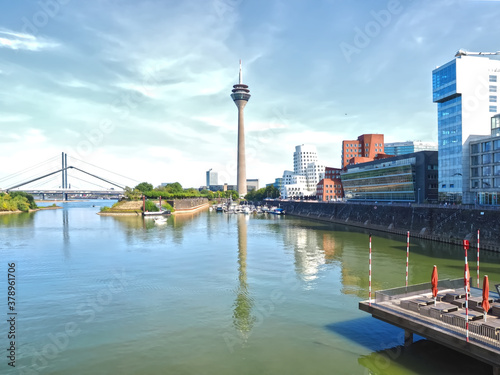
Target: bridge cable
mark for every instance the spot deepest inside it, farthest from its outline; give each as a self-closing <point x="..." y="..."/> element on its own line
<point x="27" y="169"/>
<point x="128" y="178"/>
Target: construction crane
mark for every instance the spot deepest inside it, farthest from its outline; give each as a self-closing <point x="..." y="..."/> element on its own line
<point x="462" y="52"/>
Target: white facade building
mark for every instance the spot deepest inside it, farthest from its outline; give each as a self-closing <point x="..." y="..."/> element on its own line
<point x="307" y="172"/>
<point x="466" y="91"/>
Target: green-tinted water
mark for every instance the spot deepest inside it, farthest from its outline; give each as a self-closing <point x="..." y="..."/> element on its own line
<point x="211" y="294"/>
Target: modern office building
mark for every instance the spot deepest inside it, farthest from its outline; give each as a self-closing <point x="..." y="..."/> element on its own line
<point x="252" y="184"/>
<point x="485" y="167"/>
<point x="307" y="172"/>
<point x="212" y="178"/>
<point x="330" y="187"/>
<point x="241" y="96"/>
<point x="403" y="178"/>
<point x="278" y="183"/>
<point x="465" y="90"/>
<point x="409" y="147"/>
<point x="366" y="148"/>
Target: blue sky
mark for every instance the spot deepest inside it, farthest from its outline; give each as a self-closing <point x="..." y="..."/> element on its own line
<point x="142" y="88"/>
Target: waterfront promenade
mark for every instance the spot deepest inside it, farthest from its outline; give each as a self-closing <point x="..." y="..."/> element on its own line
<point x="414" y="310"/>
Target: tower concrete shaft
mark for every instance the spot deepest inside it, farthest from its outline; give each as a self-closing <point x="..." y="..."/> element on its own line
<point x="242" y="164"/>
<point x="240" y="96"/>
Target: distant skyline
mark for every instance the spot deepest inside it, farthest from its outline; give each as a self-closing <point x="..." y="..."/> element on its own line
<point x="143" y="88"/>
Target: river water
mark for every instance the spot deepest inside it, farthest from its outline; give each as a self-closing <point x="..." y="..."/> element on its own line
<point x="211" y="293"/>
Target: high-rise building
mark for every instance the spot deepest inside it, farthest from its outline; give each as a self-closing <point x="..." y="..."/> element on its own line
<point x="307" y="172"/>
<point x="409" y="147"/>
<point x="465" y="90"/>
<point x="212" y="178"/>
<point x="362" y="150"/>
<point x="240" y="96"/>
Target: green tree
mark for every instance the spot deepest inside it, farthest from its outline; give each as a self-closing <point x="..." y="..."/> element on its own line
<point x="132" y="194"/>
<point x="174" y="188"/>
<point x="144" y="187"/>
<point x="31" y="201"/>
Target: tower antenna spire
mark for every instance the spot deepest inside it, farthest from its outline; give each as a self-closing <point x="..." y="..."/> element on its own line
<point x="241" y="76"/>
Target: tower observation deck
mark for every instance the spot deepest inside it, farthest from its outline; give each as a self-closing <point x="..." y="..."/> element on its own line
<point x="241" y="95"/>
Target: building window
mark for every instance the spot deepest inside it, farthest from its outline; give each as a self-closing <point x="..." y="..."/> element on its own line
<point x="493" y="108"/>
<point x="474" y="148"/>
<point x="493" y="98"/>
<point x="493" y="78"/>
<point x="475" y="172"/>
<point x="487" y="171"/>
<point x="486" y="158"/>
<point x="496" y="157"/>
<point x="486" y="146"/>
<point x="493" y="89"/>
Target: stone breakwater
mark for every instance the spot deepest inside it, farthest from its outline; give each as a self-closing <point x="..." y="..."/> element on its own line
<point x="438" y="223"/>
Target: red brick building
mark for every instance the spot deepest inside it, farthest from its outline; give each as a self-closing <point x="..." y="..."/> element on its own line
<point x="330" y="188"/>
<point x="367" y="147"/>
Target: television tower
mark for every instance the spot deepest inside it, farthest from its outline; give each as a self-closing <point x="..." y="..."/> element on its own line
<point x="240" y="96"/>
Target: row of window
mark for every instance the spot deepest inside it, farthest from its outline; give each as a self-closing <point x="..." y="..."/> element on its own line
<point x="486" y="171"/>
<point x="485" y="183"/>
<point x="493" y="78"/>
<point x="485" y="146"/>
<point x="493" y="108"/>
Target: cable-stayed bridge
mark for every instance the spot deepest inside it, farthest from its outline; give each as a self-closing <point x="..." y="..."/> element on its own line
<point x="49" y="179"/>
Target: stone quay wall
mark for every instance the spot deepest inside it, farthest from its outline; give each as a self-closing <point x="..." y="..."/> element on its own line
<point x="439" y="223"/>
<point x="187" y="204"/>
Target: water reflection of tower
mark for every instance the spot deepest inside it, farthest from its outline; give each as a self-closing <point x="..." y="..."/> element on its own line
<point x="240" y="96"/>
<point x="242" y="318"/>
<point x="65" y="220"/>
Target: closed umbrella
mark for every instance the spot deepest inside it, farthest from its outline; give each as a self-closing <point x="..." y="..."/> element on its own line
<point x="467" y="278"/>
<point x="486" y="296"/>
<point x="434" y="282"/>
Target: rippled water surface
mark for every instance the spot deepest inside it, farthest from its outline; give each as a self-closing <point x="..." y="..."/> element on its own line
<point x="211" y="294"/>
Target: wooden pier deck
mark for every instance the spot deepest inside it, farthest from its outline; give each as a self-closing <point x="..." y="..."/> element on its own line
<point x="413" y="310"/>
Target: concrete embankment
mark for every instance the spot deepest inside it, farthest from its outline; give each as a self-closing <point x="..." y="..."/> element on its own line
<point x="444" y="224"/>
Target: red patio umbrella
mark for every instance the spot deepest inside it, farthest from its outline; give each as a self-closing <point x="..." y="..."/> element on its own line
<point x="486" y="296"/>
<point x="434" y="282"/>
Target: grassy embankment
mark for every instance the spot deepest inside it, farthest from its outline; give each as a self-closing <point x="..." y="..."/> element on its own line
<point x="123" y="207"/>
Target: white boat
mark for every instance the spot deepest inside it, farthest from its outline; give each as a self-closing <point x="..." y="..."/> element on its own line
<point x="160" y="220"/>
<point x="156" y="213"/>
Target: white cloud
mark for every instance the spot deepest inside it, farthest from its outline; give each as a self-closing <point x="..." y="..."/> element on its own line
<point x="15" y="41"/>
<point x="15" y="118"/>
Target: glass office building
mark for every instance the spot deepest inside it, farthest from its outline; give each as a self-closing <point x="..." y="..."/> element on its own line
<point x="404" y="178"/>
<point x="464" y="92"/>
<point x="402" y="148"/>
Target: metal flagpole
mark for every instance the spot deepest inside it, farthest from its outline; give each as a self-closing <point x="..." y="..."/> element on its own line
<point x="407" y="256"/>
<point x="370" y="273"/>
<point x="478" y="258"/>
